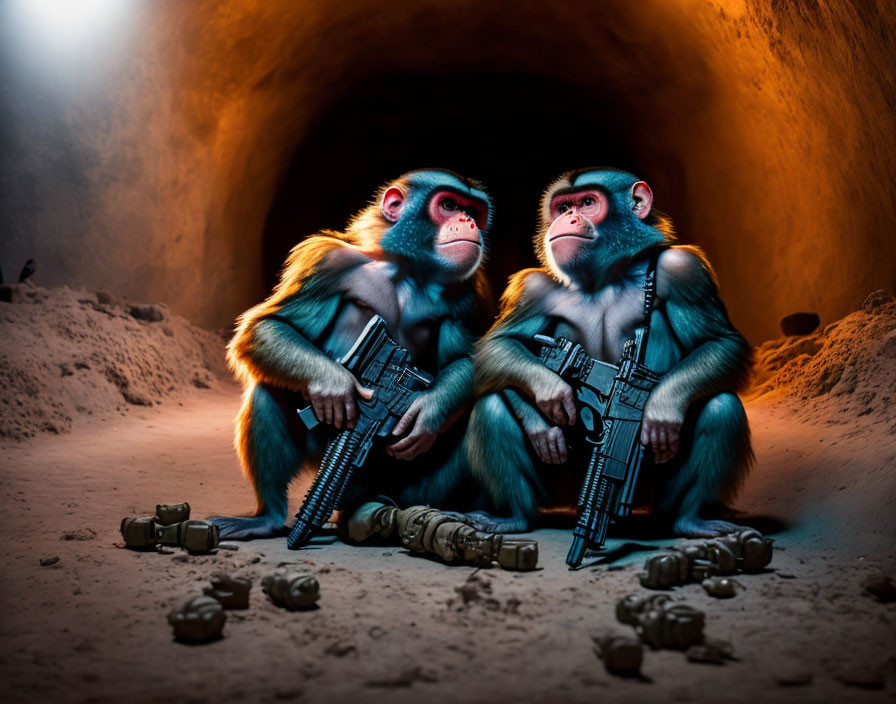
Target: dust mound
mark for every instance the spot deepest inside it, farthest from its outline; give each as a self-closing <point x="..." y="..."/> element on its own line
<point x="849" y="367"/>
<point x="70" y="355"/>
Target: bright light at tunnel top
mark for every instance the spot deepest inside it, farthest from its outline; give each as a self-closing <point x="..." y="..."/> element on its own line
<point x="65" y="29"/>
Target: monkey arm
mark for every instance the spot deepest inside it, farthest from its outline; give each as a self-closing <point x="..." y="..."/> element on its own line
<point x="523" y="409"/>
<point x="502" y="358"/>
<point x="450" y="394"/>
<point x="273" y="342"/>
<point x="278" y="354"/>
<point x="716" y="356"/>
<point x="434" y="410"/>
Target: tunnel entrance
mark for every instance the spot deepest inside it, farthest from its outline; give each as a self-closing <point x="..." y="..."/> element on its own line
<point x="513" y="132"/>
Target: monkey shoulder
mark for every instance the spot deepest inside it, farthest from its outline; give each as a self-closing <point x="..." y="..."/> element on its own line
<point x="337" y="266"/>
<point x="683" y="270"/>
<point x="338" y="257"/>
<point x="316" y="263"/>
<point x="529" y="288"/>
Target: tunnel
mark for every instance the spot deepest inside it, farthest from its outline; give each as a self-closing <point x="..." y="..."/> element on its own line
<point x="183" y="154"/>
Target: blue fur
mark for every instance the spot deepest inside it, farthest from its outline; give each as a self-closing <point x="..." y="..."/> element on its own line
<point x="692" y="342"/>
<point x="622" y="235"/>
<point x="496" y="449"/>
<point x="294" y="336"/>
<point x="713" y="461"/>
<point x="413" y="236"/>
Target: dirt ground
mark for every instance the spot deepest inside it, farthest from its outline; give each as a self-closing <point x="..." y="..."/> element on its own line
<point x="92" y="627"/>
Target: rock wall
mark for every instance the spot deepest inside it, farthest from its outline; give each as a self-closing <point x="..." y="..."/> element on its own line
<point x="150" y="165"/>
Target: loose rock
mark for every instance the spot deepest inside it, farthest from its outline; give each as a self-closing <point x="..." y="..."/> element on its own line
<point x="799" y="323"/>
<point x="721" y="587"/>
<point x="200" y="619"/>
<point x="713" y="652"/>
<point x="880" y="587"/>
<point x="622" y="655"/>
<point x="292" y="590"/>
<point x="231" y="592"/>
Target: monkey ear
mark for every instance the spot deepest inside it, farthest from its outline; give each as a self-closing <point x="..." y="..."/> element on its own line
<point x="393" y="202"/>
<point x="642" y="199"/>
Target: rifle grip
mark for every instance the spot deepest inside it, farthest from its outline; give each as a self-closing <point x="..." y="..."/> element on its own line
<point x="308" y="418"/>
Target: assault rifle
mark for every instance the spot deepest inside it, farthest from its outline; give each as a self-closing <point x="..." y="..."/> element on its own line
<point x="610" y="402"/>
<point x="380" y="364"/>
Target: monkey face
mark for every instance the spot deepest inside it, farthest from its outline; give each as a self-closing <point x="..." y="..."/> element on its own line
<point x="459" y="239"/>
<point x="592" y="219"/>
<point x="437" y="222"/>
<point x="574" y="225"/>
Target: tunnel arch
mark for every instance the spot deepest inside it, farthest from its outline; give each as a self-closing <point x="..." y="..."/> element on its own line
<point x="513" y="132"/>
<point x="766" y="130"/>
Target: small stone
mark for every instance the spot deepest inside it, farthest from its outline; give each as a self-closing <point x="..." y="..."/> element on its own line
<point x="875" y="300"/>
<point x="721" y="587"/>
<point x="622" y="655"/>
<point x="340" y="650"/>
<point x="405" y="678"/>
<point x="799" y="323"/>
<point x="880" y="587"/>
<point x="288" y="693"/>
<point x="231" y="592"/>
<point x="200" y="619"/>
<point x="47" y="561"/>
<point x="136" y="398"/>
<point x="792" y="676"/>
<point x="713" y="652"/>
<point x="630" y="607"/>
<point x="148" y="312"/>
<point x="862" y="675"/>
<point x="80" y="534"/>
<point x="292" y="590"/>
<point x="228" y="546"/>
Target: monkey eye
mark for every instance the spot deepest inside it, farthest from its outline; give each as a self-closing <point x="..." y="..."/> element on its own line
<point x="449" y="204"/>
<point x="588" y="201"/>
<point x="563" y="207"/>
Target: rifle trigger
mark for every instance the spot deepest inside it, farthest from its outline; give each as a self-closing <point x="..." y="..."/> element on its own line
<point x="308" y="418"/>
<point x="362" y="455"/>
<point x="587" y="418"/>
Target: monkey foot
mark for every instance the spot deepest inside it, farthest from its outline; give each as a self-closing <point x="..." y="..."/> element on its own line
<point x="488" y="523"/>
<point x="235" y="528"/>
<point x="693" y="527"/>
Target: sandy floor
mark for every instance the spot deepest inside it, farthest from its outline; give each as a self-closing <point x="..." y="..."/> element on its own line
<point x="92" y="627"/>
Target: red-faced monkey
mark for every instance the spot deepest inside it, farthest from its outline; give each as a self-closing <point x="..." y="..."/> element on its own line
<point x="412" y="257"/>
<point x="598" y="235"/>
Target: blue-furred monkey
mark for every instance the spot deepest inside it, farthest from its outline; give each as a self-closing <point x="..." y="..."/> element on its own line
<point x="597" y="235"/>
<point x="412" y="256"/>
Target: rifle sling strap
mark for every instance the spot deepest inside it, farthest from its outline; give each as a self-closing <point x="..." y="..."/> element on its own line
<point x="650" y="291"/>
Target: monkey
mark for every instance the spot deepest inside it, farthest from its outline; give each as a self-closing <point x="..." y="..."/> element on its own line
<point x="412" y="256"/>
<point x="598" y="234"/>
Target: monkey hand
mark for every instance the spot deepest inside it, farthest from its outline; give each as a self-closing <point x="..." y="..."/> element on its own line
<point x="333" y="397"/>
<point x="554" y="397"/>
<point x="424" y="419"/>
<point x="548" y="440"/>
<point x="661" y="426"/>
